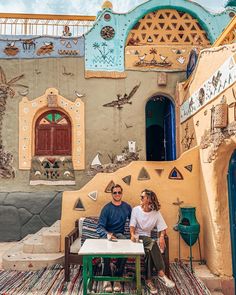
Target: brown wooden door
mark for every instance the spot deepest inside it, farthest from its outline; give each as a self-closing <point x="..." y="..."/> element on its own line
<point x="53" y="134"/>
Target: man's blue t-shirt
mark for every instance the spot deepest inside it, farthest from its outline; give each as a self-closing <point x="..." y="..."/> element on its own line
<point x="112" y="218"/>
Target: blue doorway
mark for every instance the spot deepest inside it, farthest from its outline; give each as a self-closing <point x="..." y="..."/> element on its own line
<point x="232" y="208"/>
<point x="160" y="129"/>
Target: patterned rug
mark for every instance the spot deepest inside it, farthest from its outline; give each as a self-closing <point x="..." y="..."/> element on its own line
<point x="51" y="281"/>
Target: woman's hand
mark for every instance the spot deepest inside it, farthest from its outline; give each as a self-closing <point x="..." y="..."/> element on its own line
<point x="162" y="243"/>
<point x="132" y="234"/>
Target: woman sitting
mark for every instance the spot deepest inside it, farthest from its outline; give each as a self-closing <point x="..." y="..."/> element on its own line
<point x="144" y="218"/>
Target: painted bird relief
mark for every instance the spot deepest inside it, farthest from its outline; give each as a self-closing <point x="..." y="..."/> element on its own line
<point x="122" y="100"/>
<point x="144" y="59"/>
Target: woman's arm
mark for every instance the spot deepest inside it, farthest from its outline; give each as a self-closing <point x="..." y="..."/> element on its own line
<point x="132" y="233"/>
<point x="162" y="243"/>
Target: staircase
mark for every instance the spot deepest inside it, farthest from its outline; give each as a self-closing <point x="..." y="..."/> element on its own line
<point x="35" y="251"/>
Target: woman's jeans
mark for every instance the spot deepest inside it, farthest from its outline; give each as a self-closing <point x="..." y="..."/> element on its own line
<point x="153" y="257"/>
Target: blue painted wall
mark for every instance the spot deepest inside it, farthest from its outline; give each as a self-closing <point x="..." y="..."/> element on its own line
<point x="41" y="46"/>
<point x="108" y="55"/>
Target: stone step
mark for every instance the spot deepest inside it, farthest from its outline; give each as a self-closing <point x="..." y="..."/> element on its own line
<point x="47" y="240"/>
<point x="35" y="251"/>
<point x="217" y="285"/>
<point x="16" y="259"/>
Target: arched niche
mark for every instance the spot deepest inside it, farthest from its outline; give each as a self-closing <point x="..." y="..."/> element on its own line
<point x="163" y="40"/>
<point x="31" y="110"/>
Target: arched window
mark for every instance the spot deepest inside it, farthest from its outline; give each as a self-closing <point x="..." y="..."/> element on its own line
<point x="53" y="134"/>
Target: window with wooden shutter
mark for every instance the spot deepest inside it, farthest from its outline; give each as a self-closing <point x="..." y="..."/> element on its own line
<point x="53" y="134"/>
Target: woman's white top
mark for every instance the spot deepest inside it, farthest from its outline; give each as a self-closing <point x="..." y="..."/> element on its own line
<point x="145" y="222"/>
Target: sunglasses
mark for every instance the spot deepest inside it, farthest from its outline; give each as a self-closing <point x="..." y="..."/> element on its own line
<point x="117" y="193"/>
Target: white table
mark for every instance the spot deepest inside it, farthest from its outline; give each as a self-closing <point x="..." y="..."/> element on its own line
<point x="103" y="248"/>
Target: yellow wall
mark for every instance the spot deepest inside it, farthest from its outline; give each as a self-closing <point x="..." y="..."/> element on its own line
<point x="187" y="190"/>
<point x="213" y="176"/>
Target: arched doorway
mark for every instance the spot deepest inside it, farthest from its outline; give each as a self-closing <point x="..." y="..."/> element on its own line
<point x="160" y="129"/>
<point x="53" y="134"/>
<point x="232" y="207"/>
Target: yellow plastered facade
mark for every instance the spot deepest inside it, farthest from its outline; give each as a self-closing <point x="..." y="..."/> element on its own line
<point x="168" y="190"/>
<point x="213" y="176"/>
<point x="29" y="111"/>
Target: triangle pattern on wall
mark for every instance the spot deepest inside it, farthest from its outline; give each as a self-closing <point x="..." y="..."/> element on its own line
<point x="93" y="195"/>
<point x="159" y="171"/>
<point x="79" y="205"/>
<point x="127" y="179"/>
<point x="143" y="174"/>
<point x="189" y="168"/>
<point x="109" y="186"/>
<point x="165" y="22"/>
<point x="175" y="174"/>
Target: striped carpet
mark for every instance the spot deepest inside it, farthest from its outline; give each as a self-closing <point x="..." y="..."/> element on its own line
<point x="51" y="281"/>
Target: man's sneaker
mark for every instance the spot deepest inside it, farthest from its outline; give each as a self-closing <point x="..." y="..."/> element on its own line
<point x="107" y="287"/>
<point x="166" y="281"/>
<point x="151" y="288"/>
<point x="117" y="287"/>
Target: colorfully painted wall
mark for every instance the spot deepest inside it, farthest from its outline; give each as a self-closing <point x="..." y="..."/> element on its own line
<point x="108" y="129"/>
<point x="168" y="190"/>
<point x="107" y="56"/>
<point x="214" y="162"/>
<point x="28" y="47"/>
<point x="105" y="127"/>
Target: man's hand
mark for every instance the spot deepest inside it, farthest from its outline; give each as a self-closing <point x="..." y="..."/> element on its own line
<point x="133" y="238"/>
<point x="110" y="237"/>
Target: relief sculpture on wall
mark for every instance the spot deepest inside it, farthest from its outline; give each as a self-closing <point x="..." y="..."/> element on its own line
<point x="163" y="39"/>
<point x="220" y="128"/>
<point x="6" y="90"/>
<point x="122" y="100"/>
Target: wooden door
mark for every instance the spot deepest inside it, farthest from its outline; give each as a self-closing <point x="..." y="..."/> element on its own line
<point x="53" y="134"/>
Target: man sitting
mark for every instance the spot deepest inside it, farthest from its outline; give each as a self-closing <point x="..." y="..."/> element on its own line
<point x="111" y="225"/>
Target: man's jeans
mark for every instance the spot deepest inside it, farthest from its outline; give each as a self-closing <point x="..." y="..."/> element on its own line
<point x="120" y="265"/>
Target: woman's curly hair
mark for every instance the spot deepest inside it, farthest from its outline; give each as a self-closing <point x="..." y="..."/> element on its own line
<point x="154" y="203"/>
